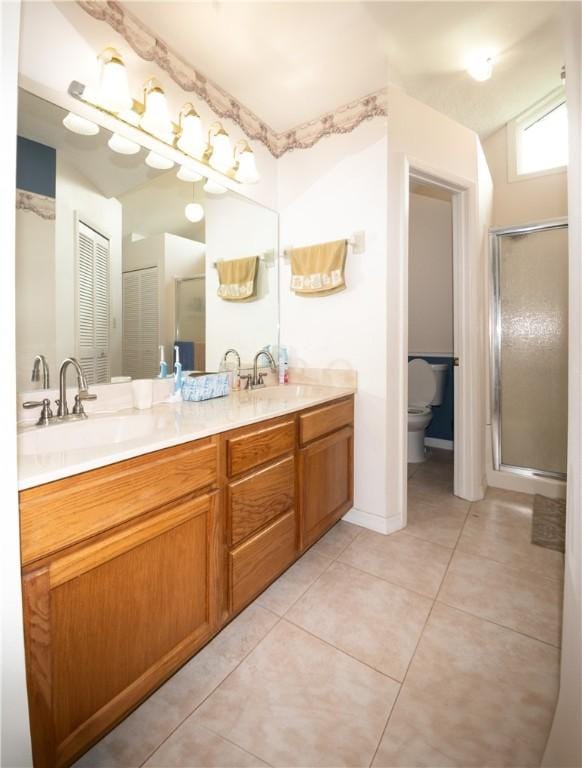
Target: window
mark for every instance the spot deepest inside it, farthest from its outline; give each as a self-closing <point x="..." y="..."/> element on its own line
<point x="538" y="139"/>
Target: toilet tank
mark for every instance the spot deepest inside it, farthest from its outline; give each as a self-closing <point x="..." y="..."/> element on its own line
<point x="440" y="371"/>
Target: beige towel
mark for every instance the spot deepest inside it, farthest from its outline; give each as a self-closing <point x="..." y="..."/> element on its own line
<point x="237" y="278"/>
<point x="318" y="270"/>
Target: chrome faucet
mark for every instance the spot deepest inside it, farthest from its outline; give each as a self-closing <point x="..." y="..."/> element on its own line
<point x="83" y="394"/>
<point x="257" y="379"/>
<point x="40" y="363"/>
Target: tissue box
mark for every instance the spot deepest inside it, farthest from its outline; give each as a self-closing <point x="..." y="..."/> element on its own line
<point x="205" y="386"/>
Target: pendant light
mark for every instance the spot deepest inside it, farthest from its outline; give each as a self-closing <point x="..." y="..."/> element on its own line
<point x="246" y="169"/>
<point x="156" y="116"/>
<point x="113" y="91"/>
<point x="194" y="212"/>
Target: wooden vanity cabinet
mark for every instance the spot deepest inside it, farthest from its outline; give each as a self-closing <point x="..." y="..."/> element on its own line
<point x="129" y="569"/>
<point x="325" y="468"/>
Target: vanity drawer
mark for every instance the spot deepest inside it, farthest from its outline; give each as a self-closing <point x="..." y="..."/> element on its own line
<point x="324" y="420"/>
<point x="56" y="515"/>
<point x="255" y="563"/>
<point x="251" y="448"/>
<point x="254" y="501"/>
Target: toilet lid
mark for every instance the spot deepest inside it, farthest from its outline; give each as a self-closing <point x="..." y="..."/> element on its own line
<point x="421" y="382"/>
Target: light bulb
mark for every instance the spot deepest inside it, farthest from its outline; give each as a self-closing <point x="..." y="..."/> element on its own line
<point x="113" y="92"/>
<point x="246" y="172"/>
<point x="122" y="145"/>
<point x="156" y="117"/>
<point x="480" y="66"/>
<point x="194" y="212"/>
<point x="213" y="188"/>
<point x="191" y="140"/>
<point x="188" y="174"/>
<point x="159" y="162"/>
<point x="80" y="125"/>
<point x="221" y="157"/>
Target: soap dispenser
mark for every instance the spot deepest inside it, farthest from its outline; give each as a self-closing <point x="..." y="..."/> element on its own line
<point x="163" y="365"/>
<point x="177" y="370"/>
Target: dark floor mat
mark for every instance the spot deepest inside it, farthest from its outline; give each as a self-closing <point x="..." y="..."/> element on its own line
<point x="549" y="523"/>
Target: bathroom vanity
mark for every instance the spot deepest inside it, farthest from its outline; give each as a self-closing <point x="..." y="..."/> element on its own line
<point x="131" y="567"/>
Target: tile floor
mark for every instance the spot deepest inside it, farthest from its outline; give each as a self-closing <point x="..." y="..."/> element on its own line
<point x="436" y="646"/>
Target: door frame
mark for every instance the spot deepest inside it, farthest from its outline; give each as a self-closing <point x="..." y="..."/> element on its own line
<point x="469" y="339"/>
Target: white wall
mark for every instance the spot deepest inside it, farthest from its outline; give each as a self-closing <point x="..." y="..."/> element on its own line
<point x="35" y="288"/>
<point x="75" y="195"/>
<point x="564" y="746"/>
<point x="235" y="228"/>
<point x="528" y="200"/>
<point x="452" y="152"/>
<point x="15" y="734"/>
<point x="327" y="193"/>
<point x="430" y="276"/>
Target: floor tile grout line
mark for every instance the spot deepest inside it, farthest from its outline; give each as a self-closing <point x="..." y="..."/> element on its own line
<point x="306" y="590"/>
<point x="200" y="703"/>
<point x="230" y="741"/>
<point x="509" y="566"/>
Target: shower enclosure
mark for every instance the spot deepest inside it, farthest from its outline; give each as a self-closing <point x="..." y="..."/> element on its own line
<point x="529" y="348"/>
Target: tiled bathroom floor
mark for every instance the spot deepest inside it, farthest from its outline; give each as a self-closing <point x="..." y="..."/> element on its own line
<point x="435" y="646"/>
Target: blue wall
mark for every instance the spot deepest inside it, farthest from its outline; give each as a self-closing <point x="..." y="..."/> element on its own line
<point x="36" y="167"/>
<point x="441" y="425"/>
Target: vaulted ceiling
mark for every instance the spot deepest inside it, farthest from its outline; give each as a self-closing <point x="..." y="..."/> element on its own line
<point x="290" y="62"/>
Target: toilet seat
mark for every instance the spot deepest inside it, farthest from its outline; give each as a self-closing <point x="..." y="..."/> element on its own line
<point x="419" y="410"/>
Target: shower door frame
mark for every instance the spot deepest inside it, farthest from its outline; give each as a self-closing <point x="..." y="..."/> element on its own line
<point x="495" y="236"/>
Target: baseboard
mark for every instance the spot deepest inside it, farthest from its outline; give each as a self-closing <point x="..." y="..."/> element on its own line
<point x="376" y="523"/>
<point x="437" y="442"/>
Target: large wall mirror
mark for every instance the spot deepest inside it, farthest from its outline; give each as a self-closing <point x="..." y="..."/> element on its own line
<point x="109" y="267"/>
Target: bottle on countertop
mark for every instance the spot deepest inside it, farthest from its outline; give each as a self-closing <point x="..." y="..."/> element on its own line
<point x="283" y="365"/>
<point x="177" y="370"/>
<point x="163" y="365"/>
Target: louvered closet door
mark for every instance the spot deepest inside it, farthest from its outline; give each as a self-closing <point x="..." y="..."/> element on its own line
<point x="141" y="323"/>
<point x="93" y="289"/>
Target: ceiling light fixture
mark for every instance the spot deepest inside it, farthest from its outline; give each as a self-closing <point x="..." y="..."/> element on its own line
<point x="191" y="139"/>
<point x="194" y="212"/>
<point x="113" y="91"/>
<point x="80" y="125"/>
<point x="123" y="146"/>
<point x="212" y="188"/>
<point x="185" y="173"/>
<point x="156" y="116"/>
<point x="480" y="66"/>
<point x="159" y="162"/>
<point x="190" y="145"/>
<point x="245" y="165"/>
<point x="220" y="148"/>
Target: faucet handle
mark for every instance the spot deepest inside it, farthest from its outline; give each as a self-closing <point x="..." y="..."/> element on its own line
<point x="84" y="395"/>
<point x="78" y="409"/>
<point x="46" y="414"/>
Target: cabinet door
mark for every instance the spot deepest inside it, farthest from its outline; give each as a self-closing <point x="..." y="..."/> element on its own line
<point x="325" y="483"/>
<point x="108" y="621"/>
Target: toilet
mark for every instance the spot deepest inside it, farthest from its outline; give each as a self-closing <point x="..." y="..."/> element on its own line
<point x="426" y="385"/>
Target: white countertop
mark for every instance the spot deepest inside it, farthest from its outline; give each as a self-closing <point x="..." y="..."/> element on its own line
<point x="69" y="448"/>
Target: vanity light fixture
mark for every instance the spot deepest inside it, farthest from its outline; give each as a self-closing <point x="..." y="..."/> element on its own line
<point x="185" y="173"/>
<point x="480" y="66"/>
<point x="113" y="92"/>
<point x="156" y="116"/>
<point x="123" y="146"/>
<point x="212" y="188"/>
<point x="194" y="212"/>
<point x="221" y="156"/>
<point x="191" y="138"/>
<point x="245" y="165"/>
<point x="159" y="162"/>
<point x="80" y="125"/>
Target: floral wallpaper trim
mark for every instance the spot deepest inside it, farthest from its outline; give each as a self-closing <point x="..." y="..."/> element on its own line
<point x="39" y="204"/>
<point x="150" y="48"/>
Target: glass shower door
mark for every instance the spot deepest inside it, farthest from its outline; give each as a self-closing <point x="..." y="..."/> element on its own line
<point x="530" y="349"/>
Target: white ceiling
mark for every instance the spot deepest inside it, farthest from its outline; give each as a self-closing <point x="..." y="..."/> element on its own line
<point x="292" y="61"/>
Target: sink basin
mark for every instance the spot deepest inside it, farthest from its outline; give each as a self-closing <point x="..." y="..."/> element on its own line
<point x="85" y="433"/>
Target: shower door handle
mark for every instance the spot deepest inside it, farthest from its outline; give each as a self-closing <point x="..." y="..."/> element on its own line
<point x="456" y="362"/>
